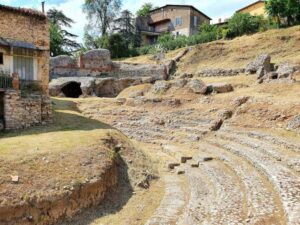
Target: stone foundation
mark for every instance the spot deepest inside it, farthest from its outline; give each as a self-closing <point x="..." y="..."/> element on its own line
<point x="89" y="86"/>
<point x="23" y="112"/>
<point x="97" y="63"/>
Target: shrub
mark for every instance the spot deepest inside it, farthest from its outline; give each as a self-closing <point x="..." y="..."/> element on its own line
<point x="168" y="41"/>
<point x="145" y="50"/>
<point x="243" y="23"/>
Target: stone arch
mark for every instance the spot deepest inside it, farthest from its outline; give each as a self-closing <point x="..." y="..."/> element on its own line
<point x="106" y="88"/>
<point x="72" y="90"/>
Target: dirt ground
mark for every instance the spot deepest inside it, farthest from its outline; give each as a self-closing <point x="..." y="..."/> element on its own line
<point x="283" y="45"/>
<point x="59" y="160"/>
<point x="254" y="139"/>
<point x="174" y="157"/>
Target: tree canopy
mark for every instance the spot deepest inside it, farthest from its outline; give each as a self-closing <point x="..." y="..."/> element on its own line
<point x="145" y="9"/>
<point x="288" y="10"/>
<point x="101" y="13"/>
<point x="61" y="41"/>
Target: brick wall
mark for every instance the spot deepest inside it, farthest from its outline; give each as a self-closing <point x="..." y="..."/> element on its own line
<point x="23" y="112"/>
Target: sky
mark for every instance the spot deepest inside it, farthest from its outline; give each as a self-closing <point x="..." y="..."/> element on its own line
<point x="73" y="8"/>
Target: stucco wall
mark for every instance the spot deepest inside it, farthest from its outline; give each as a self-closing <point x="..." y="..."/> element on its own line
<point x="256" y="10"/>
<point x="187" y="27"/>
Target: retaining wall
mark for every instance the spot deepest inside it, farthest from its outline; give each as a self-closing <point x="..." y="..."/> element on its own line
<point x="26" y="111"/>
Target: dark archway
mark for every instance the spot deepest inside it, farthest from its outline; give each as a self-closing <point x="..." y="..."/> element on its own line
<point x="72" y="90"/>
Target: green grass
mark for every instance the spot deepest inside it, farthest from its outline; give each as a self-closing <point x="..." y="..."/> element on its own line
<point x="68" y="131"/>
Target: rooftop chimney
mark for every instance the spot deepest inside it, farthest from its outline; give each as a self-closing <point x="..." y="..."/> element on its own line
<point x="43" y="6"/>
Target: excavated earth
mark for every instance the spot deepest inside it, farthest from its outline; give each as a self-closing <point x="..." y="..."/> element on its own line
<point x="49" y="174"/>
<point x="247" y="172"/>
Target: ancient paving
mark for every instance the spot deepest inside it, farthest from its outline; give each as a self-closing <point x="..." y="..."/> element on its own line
<point x="236" y="176"/>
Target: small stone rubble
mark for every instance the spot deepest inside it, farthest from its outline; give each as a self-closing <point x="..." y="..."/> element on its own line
<point x="220" y="72"/>
<point x="220" y="88"/>
<point x="294" y="123"/>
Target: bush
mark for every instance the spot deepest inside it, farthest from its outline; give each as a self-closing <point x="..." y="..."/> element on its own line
<point x="243" y="23"/>
<point x="169" y="42"/>
<point x="145" y="50"/>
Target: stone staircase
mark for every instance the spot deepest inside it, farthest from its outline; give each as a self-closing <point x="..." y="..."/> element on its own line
<point x="235" y="176"/>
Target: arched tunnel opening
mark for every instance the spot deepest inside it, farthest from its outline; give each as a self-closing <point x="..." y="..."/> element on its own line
<point x="72" y="90"/>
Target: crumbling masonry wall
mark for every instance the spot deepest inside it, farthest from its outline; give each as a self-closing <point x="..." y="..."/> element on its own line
<point x="23" y="112"/>
<point x="97" y="63"/>
<point x="29" y="27"/>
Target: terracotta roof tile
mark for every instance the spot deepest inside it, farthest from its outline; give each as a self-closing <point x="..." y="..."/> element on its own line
<point x="24" y="11"/>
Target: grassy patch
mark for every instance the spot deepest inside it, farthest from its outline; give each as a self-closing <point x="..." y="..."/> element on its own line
<point x="68" y="131"/>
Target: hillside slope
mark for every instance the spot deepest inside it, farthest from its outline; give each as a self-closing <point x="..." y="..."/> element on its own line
<point x="283" y="45"/>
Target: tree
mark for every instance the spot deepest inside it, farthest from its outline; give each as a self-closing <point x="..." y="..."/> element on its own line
<point x="284" y="9"/>
<point x="101" y="13"/>
<point x="243" y="23"/>
<point x="61" y="41"/>
<point x="292" y="11"/>
<point x="59" y="18"/>
<point x="145" y="9"/>
<point x="125" y="26"/>
<point x="56" y="40"/>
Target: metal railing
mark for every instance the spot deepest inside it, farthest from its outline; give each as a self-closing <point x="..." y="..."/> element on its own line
<point x="6" y="81"/>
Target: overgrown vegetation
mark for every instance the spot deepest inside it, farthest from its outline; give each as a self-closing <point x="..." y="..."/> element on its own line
<point x="145" y="9"/>
<point x="286" y="12"/>
<point x="114" y="30"/>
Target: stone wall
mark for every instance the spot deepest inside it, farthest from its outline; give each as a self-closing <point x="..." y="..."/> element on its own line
<point x="97" y="63"/>
<point x="91" y="86"/>
<point x="220" y="72"/>
<point x="30" y="26"/>
<point x="17" y="25"/>
<point x="23" y="112"/>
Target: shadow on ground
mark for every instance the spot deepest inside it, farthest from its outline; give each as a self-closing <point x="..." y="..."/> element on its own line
<point x="66" y="117"/>
<point x="112" y="204"/>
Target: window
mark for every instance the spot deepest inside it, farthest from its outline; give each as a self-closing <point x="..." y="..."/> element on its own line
<point x="178" y="21"/>
<point x="1" y="58"/>
<point x="24" y="67"/>
<point x="195" y="21"/>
